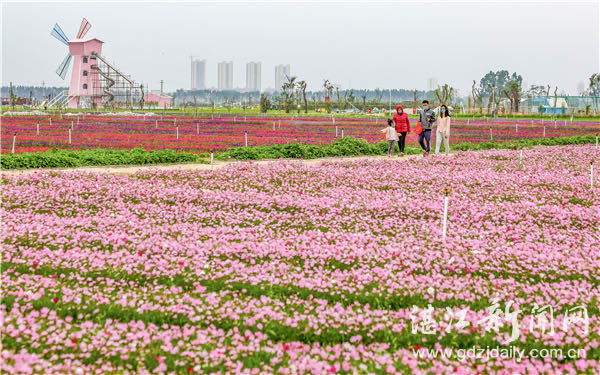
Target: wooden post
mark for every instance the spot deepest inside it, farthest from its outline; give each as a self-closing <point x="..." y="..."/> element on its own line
<point x="592" y="174"/>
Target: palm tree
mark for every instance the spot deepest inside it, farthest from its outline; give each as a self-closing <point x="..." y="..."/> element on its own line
<point x="287" y="90"/>
<point x="328" y="92"/>
<point x="302" y="86"/>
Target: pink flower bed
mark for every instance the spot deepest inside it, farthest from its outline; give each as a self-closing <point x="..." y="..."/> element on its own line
<point x="290" y="268"/>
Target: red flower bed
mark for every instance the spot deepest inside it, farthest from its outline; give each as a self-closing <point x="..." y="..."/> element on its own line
<point x="205" y="134"/>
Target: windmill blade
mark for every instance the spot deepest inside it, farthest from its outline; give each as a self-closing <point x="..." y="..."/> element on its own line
<point x="63" y="67"/>
<point x="84" y="28"/>
<point x="59" y="34"/>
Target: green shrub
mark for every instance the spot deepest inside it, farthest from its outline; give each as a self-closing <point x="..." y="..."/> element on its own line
<point x="57" y="158"/>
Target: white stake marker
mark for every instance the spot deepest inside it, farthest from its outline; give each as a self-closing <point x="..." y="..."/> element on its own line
<point x="13" y="144"/>
<point x="212" y="158"/>
<point x="197" y="129"/>
<point x="445" y="224"/>
<point x="491" y="135"/>
<point x="246" y="137"/>
<point x="591" y="175"/>
<point x="336" y="132"/>
<point x="342" y="133"/>
<point x="544" y="131"/>
<point x="38" y="130"/>
<point x="521" y="157"/>
<point x="69" y="136"/>
<point x="177" y="131"/>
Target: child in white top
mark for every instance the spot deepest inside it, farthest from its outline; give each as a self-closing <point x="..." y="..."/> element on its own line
<point x="391" y="136"/>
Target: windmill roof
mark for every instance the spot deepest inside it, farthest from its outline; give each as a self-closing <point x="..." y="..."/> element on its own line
<point x="84" y="40"/>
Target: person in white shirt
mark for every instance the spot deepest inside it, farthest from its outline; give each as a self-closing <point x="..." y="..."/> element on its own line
<point x="443" y="130"/>
<point x="391" y="136"/>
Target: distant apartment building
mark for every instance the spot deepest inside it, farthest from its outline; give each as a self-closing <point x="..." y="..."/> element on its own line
<point x="281" y="74"/>
<point x="432" y="84"/>
<point x="198" y="78"/>
<point x="253" y="76"/>
<point x="225" y="75"/>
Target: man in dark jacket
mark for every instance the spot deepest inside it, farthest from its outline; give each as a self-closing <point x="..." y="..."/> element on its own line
<point x="427" y="119"/>
<point x="402" y="127"/>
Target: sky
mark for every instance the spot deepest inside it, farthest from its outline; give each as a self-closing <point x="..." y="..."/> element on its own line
<point x="353" y="44"/>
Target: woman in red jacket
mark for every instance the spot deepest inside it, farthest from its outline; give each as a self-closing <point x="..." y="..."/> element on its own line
<point x="402" y="127"/>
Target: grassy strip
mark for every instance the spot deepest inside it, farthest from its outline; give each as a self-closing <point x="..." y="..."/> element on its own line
<point x="59" y="158"/>
<point x="353" y="147"/>
<point x="340" y="147"/>
<point x="375" y="301"/>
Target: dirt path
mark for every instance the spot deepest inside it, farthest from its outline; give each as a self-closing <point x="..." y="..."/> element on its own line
<point x="130" y="169"/>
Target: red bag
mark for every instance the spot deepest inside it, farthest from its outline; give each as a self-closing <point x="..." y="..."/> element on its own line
<point x="418" y="128"/>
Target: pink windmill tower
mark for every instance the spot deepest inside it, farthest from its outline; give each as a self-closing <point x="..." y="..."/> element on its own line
<point x="85" y="90"/>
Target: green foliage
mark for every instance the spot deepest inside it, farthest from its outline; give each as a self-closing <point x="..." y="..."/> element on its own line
<point x="346" y="146"/>
<point x="528" y="142"/>
<point x="264" y="103"/>
<point x="354" y="147"/>
<point x="75" y="158"/>
<point x="340" y="147"/>
<point x="498" y="80"/>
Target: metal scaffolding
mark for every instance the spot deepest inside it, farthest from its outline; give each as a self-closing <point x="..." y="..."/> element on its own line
<point x="116" y="89"/>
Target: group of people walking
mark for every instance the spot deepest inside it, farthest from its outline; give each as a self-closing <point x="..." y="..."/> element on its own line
<point x="399" y="127"/>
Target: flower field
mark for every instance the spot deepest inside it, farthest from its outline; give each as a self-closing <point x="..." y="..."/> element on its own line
<point x="221" y="133"/>
<point x="289" y="268"/>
